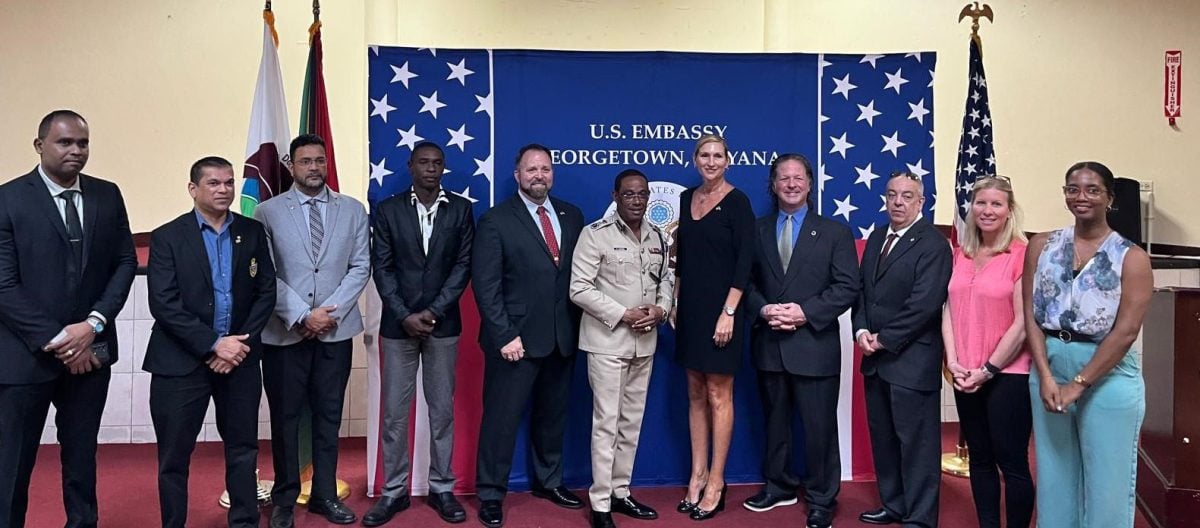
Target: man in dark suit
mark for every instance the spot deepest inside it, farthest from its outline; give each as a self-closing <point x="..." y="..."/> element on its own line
<point x="66" y="264"/>
<point x="320" y="243"/>
<point x="211" y="288"/>
<point x="897" y="324"/>
<point x="528" y="329"/>
<point x="422" y="260"/>
<point x="805" y="275"/>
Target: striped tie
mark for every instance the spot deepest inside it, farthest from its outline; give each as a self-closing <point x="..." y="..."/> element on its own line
<point x="315" y="228"/>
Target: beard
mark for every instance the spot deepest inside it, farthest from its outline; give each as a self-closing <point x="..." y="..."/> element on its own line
<point x="536" y="191"/>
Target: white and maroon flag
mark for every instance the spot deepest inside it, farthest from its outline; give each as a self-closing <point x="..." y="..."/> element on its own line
<point x="266" y="173"/>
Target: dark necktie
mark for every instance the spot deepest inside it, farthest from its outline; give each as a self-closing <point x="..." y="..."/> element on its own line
<point x="548" y="232"/>
<point x="316" y="229"/>
<point x="74" y="228"/>
<point x="887" y="248"/>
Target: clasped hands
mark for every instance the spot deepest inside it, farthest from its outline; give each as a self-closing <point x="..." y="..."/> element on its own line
<point x="643" y="318"/>
<point x="869" y="342"/>
<point x="419" y="324"/>
<point x="74" y="349"/>
<point x="1057" y="397"/>
<point x="784" y="317"/>
<point x="318" y="322"/>
<point x="967" y="380"/>
<point x="229" y="352"/>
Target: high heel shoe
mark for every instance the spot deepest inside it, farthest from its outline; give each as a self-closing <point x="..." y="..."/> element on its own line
<point x="686" y="506"/>
<point x="703" y="515"/>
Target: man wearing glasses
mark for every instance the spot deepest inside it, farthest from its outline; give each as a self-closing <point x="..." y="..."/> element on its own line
<point x="620" y="279"/>
<point x="897" y="325"/>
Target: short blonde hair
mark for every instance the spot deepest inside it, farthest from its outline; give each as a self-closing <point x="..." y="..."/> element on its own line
<point x="971" y="238"/>
<point x="710" y="138"/>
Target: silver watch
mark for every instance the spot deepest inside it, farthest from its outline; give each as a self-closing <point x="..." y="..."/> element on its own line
<point x="730" y="310"/>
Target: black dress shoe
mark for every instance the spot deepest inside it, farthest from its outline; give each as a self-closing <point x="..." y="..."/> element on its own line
<point x="447" y="507"/>
<point x="335" y="511"/>
<point x="880" y="516"/>
<point x="602" y="520"/>
<point x="386" y="508"/>
<point x="491" y="513"/>
<point x="560" y="496"/>
<point x="704" y="515"/>
<point x="629" y="506"/>
<point x="283" y="517"/>
<point x="766" y="501"/>
<point x="819" y="519"/>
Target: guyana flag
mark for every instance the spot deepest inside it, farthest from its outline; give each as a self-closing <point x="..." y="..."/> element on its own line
<point x="265" y="173"/>
<point x="314" y="108"/>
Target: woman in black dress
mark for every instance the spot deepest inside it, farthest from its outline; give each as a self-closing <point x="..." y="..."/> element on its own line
<point x="713" y="255"/>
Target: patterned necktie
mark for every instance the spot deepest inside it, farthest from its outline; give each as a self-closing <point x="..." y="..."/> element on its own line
<point x="887" y="248"/>
<point x="74" y="228"/>
<point x="316" y="229"/>
<point x="548" y="232"/>
<point x="785" y="243"/>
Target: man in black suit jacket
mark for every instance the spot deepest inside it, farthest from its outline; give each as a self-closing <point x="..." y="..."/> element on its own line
<point x="897" y="324"/>
<point x="66" y="264"/>
<point x="796" y="338"/>
<point x="422" y="259"/>
<point x="522" y="274"/>
<point x="212" y="288"/>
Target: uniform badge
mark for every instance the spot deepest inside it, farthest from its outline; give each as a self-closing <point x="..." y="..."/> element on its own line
<point x="655" y="251"/>
<point x="253" y="267"/>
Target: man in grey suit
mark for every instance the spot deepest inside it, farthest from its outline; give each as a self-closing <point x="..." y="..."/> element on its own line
<point x="320" y="243"/>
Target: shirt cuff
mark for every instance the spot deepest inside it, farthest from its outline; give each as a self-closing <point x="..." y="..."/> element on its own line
<point x="859" y="333"/>
<point x="100" y="316"/>
<point x="300" y="321"/>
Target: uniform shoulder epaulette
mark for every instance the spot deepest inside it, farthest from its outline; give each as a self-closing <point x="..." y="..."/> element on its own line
<point x="601" y="223"/>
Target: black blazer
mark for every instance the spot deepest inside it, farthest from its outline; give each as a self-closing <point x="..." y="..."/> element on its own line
<point x="519" y="290"/>
<point x="410" y="281"/>
<point x="180" y="287"/>
<point x="822" y="278"/>
<point x="903" y="304"/>
<point x="34" y="251"/>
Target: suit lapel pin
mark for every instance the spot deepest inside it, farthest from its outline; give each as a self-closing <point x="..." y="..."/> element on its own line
<point x="718" y="208"/>
<point x="253" y="267"/>
<point x="237" y="239"/>
<point x="814" y="233"/>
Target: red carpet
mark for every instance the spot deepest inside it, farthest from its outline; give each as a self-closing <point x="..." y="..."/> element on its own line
<point x="129" y="497"/>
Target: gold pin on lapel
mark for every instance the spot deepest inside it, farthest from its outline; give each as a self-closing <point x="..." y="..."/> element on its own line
<point x="253" y="267"/>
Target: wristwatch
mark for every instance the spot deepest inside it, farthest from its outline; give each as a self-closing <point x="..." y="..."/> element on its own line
<point x="96" y="323"/>
<point x="730" y="310"/>
<point x="1082" y="381"/>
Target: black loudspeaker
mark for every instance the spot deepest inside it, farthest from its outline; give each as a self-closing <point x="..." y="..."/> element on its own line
<point x="1126" y="214"/>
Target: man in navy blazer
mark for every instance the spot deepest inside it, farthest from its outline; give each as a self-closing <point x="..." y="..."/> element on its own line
<point x="521" y="269"/>
<point x="211" y="287"/>
<point x="66" y="264"/>
<point x="805" y="275"/>
<point x="897" y="324"/>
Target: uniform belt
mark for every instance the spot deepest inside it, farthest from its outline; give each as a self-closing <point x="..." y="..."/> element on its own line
<point x="1068" y="336"/>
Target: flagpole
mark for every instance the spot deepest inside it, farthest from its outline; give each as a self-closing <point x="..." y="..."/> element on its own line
<point x="957" y="462"/>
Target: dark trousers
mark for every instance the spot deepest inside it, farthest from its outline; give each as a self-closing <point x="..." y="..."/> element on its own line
<point x="314" y="373"/>
<point x="507" y="388"/>
<point x="177" y="407"/>
<point x="905" y="426"/>
<point x="996" y="421"/>
<point x="79" y="403"/>
<point x="816" y="399"/>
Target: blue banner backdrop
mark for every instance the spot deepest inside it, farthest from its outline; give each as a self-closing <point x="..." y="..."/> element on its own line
<point x="858" y="117"/>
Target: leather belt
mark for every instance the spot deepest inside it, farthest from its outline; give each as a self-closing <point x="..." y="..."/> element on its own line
<point x="1068" y="336"/>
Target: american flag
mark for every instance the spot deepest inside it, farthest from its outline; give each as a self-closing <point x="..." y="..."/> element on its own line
<point x="876" y="118"/>
<point x="442" y="96"/>
<point x="976" y="156"/>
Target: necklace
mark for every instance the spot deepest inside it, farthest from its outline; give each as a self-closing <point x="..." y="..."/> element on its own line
<point x="1092" y="247"/>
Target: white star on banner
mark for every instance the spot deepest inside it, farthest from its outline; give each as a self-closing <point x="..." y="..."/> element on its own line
<point x="930" y="85"/>
<point x="458" y="138"/>
<point x="866" y="231"/>
<point x="430" y="104"/>
<point x="484" y="168"/>
<point x="485" y="104"/>
<point x="822" y="178"/>
<point x="374" y="50"/>
<point x="871" y="59"/>
<point x="918" y="170"/>
<point x="970" y="168"/>
<point x="822" y="64"/>
<point x="402" y="75"/>
<point x="892" y="143"/>
<point x="379" y="171"/>
<point x="915" y="55"/>
<point x="918" y="111"/>
<point x="840" y="145"/>
<point x="867" y="113"/>
<point x="409" y="138"/>
<point x="974" y="132"/>
<point x="865" y="175"/>
<point x="883" y="208"/>
<point x="824" y="118"/>
<point x="987" y="121"/>
<point x="432" y="51"/>
<point x="381" y="108"/>
<point x="975" y="96"/>
<point x="466" y="194"/>
<point x="991" y="160"/>
<point x="844" y="208"/>
<point x="459" y="71"/>
<point x="971" y="151"/>
<point x="895" y="80"/>
<point x="974" y="113"/>
<point x="843" y="86"/>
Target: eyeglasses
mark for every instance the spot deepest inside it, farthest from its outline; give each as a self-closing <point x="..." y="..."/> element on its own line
<point x="905" y="174"/>
<point x="305" y="162"/>
<point x="629" y="196"/>
<point x="1072" y="191"/>
<point x="993" y="177"/>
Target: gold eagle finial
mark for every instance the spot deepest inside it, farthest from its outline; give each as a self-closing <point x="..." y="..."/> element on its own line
<point x="976" y="11"/>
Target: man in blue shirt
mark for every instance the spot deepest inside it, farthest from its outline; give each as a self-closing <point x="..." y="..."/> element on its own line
<point x="211" y="290"/>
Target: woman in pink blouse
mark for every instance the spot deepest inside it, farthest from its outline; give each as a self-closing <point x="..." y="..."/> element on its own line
<point x="984" y="331"/>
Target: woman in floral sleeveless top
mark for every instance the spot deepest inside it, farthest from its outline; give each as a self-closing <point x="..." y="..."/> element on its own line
<point x="1086" y="290"/>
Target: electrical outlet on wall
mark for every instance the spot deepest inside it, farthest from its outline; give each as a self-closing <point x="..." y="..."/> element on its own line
<point x="1146" y="186"/>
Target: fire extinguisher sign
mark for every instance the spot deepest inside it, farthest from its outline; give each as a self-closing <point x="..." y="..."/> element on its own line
<point x="1173" y="64"/>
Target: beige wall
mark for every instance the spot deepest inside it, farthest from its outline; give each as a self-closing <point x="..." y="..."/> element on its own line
<point x="165" y="81"/>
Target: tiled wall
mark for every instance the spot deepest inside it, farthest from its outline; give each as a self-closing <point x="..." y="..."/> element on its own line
<point x="127" y="412"/>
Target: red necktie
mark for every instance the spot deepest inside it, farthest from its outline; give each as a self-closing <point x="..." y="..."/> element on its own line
<point x="548" y="232"/>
